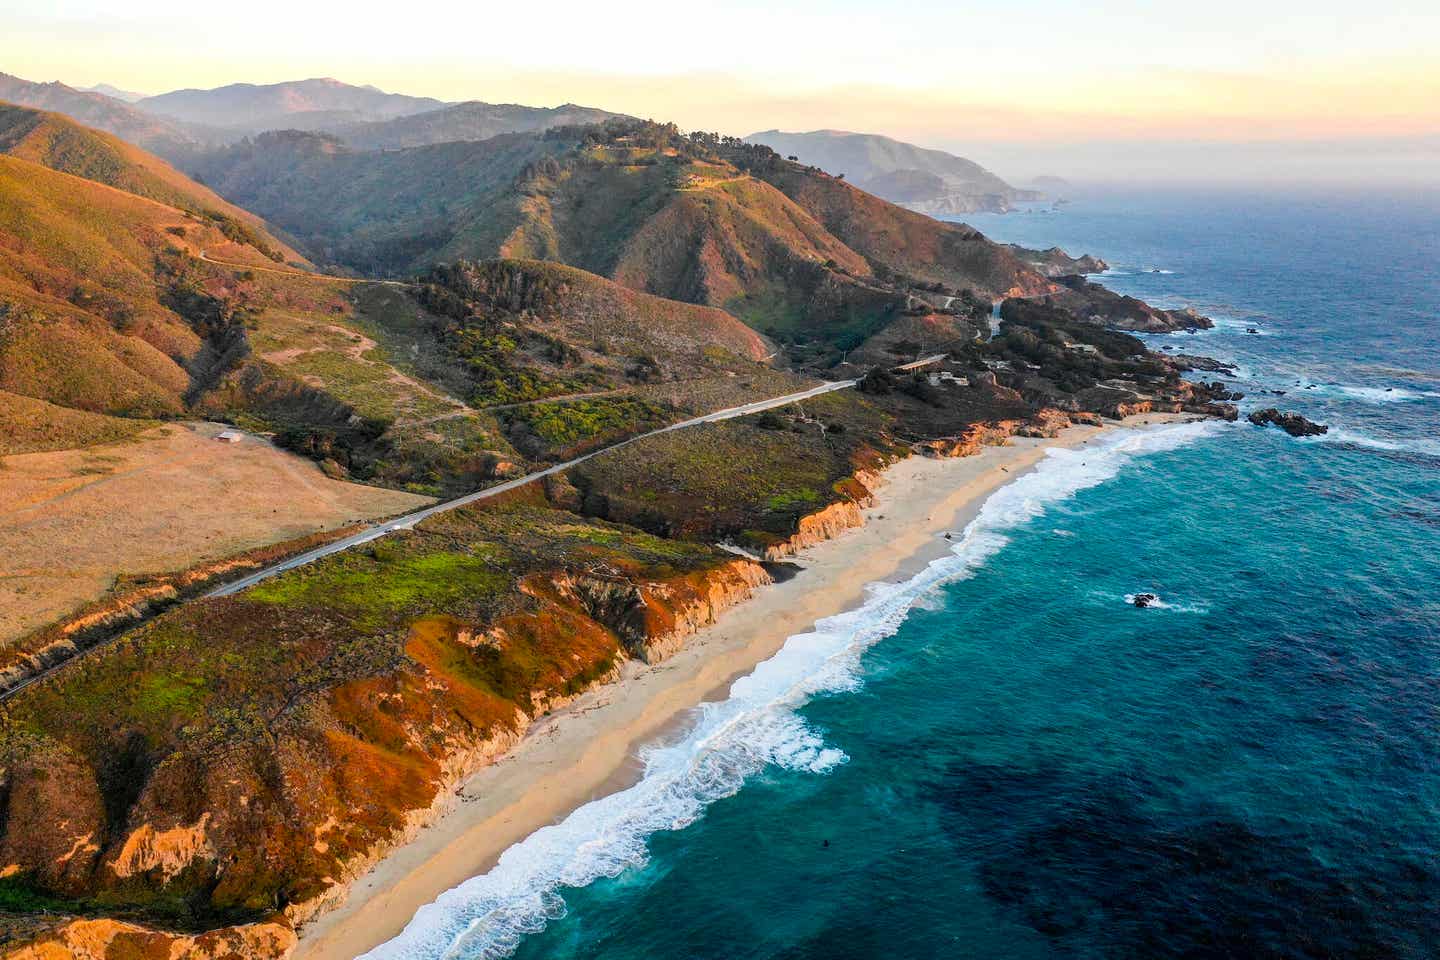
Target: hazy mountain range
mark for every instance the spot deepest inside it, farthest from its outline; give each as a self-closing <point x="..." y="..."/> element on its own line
<point x="300" y="104"/>
<point x="129" y="96"/>
<point x="184" y="124"/>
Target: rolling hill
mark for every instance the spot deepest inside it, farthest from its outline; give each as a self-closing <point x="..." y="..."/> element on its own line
<point x="55" y="141"/>
<point x="794" y="252"/>
<point x="85" y="325"/>
<point x="110" y="309"/>
<point x="930" y="181"/>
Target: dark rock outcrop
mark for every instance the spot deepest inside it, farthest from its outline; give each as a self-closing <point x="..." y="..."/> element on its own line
<point x="1292" y="423"/>
<point x="1191" y="361"/>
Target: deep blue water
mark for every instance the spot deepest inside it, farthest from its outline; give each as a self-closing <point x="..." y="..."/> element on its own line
<point x="1003" y="758"/>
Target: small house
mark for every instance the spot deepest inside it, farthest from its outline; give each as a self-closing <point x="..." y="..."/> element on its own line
<point x="230" y="436"/>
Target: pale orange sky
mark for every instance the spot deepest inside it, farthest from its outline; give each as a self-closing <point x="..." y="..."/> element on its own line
<point x="969" y="76"/>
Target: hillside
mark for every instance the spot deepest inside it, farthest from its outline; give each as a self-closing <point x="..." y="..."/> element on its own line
<point x="298" y="104"/>
<point x="174" y="141"/>
<point x="85" y="324"/>
<point x="57" y="142"/>
<point x="931" y="181"/>
<point x="110" y="309"/>
<point x="378" y="213"/>
<point x="472" y="120"/>
<point x="794" y="252"/>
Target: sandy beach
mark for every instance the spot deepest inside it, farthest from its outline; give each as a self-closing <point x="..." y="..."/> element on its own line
<point x="589" y="749"/>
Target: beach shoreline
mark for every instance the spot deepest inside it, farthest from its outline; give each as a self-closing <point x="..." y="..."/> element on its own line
<point x="589" y="748"/>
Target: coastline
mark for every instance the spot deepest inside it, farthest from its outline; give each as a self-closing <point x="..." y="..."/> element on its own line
<point x="588" y="749"/>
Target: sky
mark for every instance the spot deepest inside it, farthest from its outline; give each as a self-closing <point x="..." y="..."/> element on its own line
<point x="1239" y="89"/>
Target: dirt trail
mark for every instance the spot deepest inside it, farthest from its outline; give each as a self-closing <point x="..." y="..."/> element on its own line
<point x="295" y="273"/>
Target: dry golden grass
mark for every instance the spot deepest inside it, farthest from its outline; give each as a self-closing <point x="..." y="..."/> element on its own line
<point x="74" y="520"/>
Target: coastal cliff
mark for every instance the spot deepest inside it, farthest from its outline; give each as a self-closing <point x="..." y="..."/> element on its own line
<point x="116" y="940"/>
<point x="236" y="763"/>
<point x="275" y="826"/>
<point x="134" y="602"/>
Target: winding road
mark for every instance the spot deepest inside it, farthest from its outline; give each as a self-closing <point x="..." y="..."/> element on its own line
<point x="410" y="519"/>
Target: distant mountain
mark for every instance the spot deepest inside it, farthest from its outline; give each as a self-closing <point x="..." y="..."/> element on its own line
<point x="472" y="120"/>
<point x="129" y="96"/>
<point x="172" y="140"/>
<point x="297" y="104"/>
<point x="929" y="181"/>
<point x="1050" y="184"/>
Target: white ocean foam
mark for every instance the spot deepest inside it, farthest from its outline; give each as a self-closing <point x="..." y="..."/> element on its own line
<point x="1129" y="270"/>
<point x="1380" y="394"/>
<point x="757" y="726"/>
<point x="1355" y="438"/>
<point x="1302" y="383"/>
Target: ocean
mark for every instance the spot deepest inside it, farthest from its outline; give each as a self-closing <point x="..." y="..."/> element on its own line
<point x="1004" y="757"/>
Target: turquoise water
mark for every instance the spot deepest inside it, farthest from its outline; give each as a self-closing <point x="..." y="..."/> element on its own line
<point x="1004" y="758"/>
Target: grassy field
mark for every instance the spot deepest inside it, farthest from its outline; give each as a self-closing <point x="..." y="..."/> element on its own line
<point x="72" y="522"/>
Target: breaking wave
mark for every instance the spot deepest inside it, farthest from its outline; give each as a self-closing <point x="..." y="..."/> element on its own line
<point x="757" y="726"/>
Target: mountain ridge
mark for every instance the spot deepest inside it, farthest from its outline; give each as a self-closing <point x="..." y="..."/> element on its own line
<point x="252" y="108"/>
<point x="699" y="217"/>
<point x="172" y="140"/>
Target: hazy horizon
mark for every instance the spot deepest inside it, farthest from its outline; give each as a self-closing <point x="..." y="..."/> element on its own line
<point x="1310" y="92"/>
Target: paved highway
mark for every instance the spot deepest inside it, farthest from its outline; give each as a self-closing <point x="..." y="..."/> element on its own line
<point x="410" y="519"/>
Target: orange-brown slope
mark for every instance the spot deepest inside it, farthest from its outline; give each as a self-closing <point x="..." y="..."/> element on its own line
<point x="584" y="309"/>
<point x="906" y="242"/>
<point x="55" y="141"/>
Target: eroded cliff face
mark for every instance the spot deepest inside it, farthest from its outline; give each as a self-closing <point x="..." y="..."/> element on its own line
<point x="115" y="940"/>
<point x="280" y="826"/>
<point x="997" y="433"/>
<point x="832" y="520"/>
<point x="653" y="619"/>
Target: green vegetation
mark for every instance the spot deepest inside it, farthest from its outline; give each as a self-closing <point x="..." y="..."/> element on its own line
<point x="375" y="587"/>
<point x="569" y="423"/>
<point x="749" y="479"/>
<point x="20" y="896"/>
